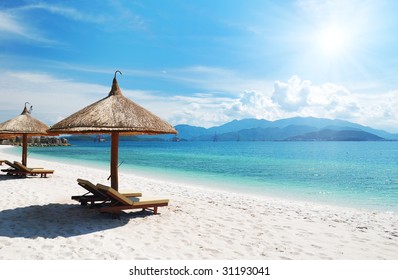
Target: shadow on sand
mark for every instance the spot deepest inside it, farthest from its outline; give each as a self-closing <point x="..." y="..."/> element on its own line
<point x="5" y="177"/>
<point x="59" y="220"/>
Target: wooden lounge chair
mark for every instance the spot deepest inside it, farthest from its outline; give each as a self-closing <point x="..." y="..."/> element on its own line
<point x="11" y="166"/>
<point x="119" y="202"/>
<point x="94" y="195"/>
<point x="12" y="169"/>
<point x="23" y="170"/>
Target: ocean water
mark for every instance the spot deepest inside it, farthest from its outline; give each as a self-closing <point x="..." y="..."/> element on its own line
<point x="355" y="174"/>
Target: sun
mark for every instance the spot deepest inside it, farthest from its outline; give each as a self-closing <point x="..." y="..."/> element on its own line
<point x="333" y="40"/>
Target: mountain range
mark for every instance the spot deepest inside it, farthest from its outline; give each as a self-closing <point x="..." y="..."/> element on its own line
<point x="291" y="129"/>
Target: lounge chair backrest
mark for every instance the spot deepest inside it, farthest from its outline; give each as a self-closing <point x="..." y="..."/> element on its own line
<point x="91" y="188"/>
<point x="115" y="194"/>
<point x="86" y="184"/>
<point x="9" y="163"/>
<point x="21" y="166"/>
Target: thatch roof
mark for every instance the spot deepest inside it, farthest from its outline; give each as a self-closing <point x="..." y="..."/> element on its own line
<point x="23" y="124"/>
<point x="114" y="113"/>
<point x="7" y="136"/>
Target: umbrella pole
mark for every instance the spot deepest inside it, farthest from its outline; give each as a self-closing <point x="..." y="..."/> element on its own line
<point x="24" y="149"/>
<point x="114" y="160"/>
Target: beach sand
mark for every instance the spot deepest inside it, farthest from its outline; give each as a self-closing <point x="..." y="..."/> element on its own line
<point x="39" y="221"/>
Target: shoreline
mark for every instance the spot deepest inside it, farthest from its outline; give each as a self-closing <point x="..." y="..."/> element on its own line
<point x="239" y="185"/>
<point x="38" y="220"/>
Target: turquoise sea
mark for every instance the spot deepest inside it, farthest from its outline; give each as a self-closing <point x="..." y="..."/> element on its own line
<point x="355" y="174"/>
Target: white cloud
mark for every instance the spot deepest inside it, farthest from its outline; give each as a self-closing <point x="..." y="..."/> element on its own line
<point x="252" y="104"/>
<point x="15" y="21"/>
<point x="298" y="97"/>
<point x="64" y="11"/>
<point x="107" y="15"/>
<point x="10" y="24"/>
<point x="306" y="99"/>
<point x="291" y="96"/>
<point x="54" y="98"/>
<point x="14" y="25"/>
<point x="380" y="110"/>
<point x="199" y="110"/>
<point x="51" y="98"/>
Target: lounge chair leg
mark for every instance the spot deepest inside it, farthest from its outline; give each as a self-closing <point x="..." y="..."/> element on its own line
<point x="155" y="210"/>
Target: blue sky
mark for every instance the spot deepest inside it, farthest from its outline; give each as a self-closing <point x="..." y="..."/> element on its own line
<point x="203" y="62"/>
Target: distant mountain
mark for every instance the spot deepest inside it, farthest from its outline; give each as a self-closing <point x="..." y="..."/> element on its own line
<point x="257" y="134"/>
<point x="280" y="130"/>
<point x="189" y="132"/>
<point x="336" y="135"/>
<point x="291" y="129"/>
<point x="236" y="125"/>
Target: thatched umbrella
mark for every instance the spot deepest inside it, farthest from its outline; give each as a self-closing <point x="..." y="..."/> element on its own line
<point x="114" y="114"/>
<point x="24" y="125"/>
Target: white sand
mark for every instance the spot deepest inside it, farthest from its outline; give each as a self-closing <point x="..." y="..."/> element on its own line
<point x="38" y="220"/>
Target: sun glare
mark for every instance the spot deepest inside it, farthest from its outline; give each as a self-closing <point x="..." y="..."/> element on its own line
<point x="333" y="40"/>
